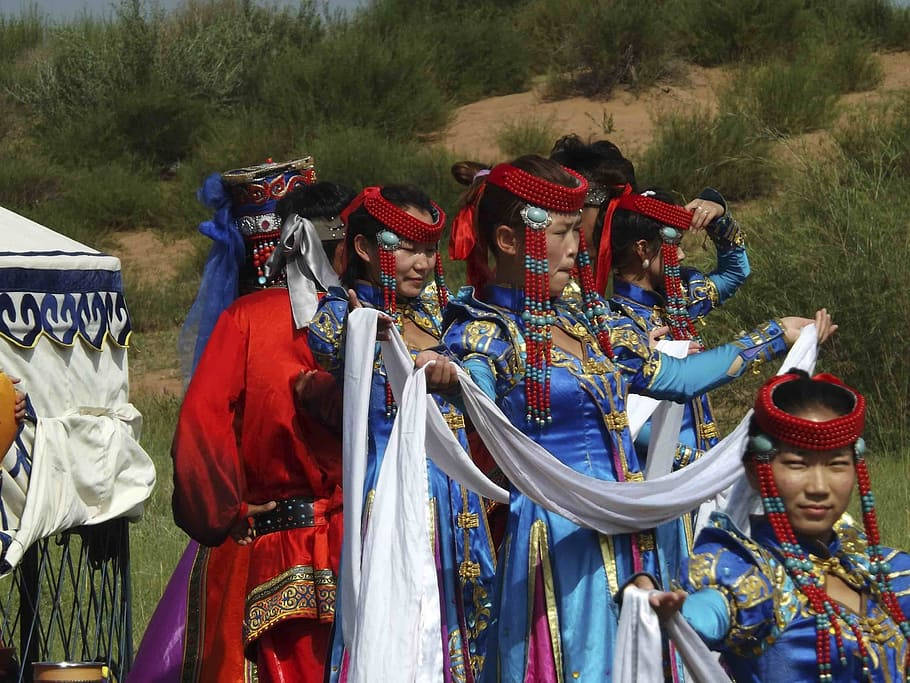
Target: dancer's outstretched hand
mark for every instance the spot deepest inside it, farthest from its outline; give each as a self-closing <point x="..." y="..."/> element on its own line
<point x="442" y="376"/>
<point x="825" y="325"/>
<point x="658" y="333"/>
<point x="793" y="326"/>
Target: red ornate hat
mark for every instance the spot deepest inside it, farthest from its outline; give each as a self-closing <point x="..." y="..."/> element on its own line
<point x="255" y="191"/>
<point x="809" y="435"/>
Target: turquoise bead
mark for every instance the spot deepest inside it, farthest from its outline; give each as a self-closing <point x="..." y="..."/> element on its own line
<point x="536" y="215"/>
<point x="389" y="239"/>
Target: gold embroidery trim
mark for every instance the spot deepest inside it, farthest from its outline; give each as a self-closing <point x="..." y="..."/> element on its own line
<point x="454" y="420"/>
<point x="645" y="541"/>
<point x="468" y="520"/>
<point x="540" y="555"/>
<point x="616" y="421"/>
<point x="468" y="570"/>
<point x="708" y="430"/>
<point x="300" y="591"/>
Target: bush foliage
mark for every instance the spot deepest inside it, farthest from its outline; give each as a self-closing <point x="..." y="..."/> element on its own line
<point x="695" y="149"/>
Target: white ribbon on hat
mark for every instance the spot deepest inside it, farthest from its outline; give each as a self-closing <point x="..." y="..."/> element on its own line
<point x="308" y="269"/>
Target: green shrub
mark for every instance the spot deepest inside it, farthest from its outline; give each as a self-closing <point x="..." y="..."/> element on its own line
<point x="482" y="53"/>
<point x="787" y="98"/>
<point x="878" y="141"/>
<point x="357" y="78"/>
<point x="695" y="149"/>
<point x="141" y="86"/>
<point x="592" y="47"/>
<point x="26" y="182"/>
<point x="882" y="22"/>
<point x="849" y="64"/>
<point x="721" y="31"/>
<point x="20" y="33"/>
<point x="835" y="237"/>
<point x="529" y="135"/>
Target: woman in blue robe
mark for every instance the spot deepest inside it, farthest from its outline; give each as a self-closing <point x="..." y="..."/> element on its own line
<point x="807" y="594"/>
<point x="546" y="361"/>
<point x="462" y="542"/>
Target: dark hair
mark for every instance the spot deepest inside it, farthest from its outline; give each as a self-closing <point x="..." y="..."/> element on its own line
<point x="600" y="162"/>
<point x="498" y="206"/>
<point x="360" y="222"/>
<point x="628" y="228"/>
<point x="804" y="394"/>
<point x="319" y="200"/>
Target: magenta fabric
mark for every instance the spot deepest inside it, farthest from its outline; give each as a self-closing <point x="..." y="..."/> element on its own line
<point x="160" y="655"/>
<point x="541" y="661"/>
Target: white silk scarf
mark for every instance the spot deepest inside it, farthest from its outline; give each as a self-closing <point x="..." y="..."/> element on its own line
<point x="608" y="507"/>
<point x="638" y="657"/>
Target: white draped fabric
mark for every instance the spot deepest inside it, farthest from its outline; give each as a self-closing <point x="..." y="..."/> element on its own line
<point x="391" y="626"/>
<point x="397" y="634"/>
<point x="608" y="507"/>
<point x="637" y="657"/>
<point x="64" y="331"/>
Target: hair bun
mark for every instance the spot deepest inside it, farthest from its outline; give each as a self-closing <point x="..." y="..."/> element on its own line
<point x="464" y="172"/>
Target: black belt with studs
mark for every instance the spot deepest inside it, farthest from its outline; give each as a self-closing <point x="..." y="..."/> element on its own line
<point x="290" y="513"/>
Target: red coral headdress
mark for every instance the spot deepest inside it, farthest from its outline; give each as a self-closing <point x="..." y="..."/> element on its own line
<point x="809" y="434"/>
<point x="674" y="219"/>
<point x="541" y="197"/>
<point x="822" y="436"/>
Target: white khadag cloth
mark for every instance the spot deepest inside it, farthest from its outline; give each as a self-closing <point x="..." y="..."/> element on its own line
<point x="667" y="418"/>
<point x="390" y="600"/>
<point x="398" y="623"/>
<point x="638" y="657"/>
<point x="608" y="507"/>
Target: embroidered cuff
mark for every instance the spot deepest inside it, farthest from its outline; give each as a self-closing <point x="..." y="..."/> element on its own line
<point x="762" y="344"/>
<point x="726" y="233"/>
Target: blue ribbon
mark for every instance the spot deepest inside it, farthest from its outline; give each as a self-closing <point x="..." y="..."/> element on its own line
<point x="218" y="288"/>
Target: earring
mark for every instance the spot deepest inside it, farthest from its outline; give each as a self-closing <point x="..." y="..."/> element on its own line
<point x="646" y="263"/>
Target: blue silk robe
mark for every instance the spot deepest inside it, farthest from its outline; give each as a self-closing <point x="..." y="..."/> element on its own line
<point x="581" y="569"/>
<point x="638" y="311"/>
<point x="464" y="548"/>
<point x="745" y="605"/>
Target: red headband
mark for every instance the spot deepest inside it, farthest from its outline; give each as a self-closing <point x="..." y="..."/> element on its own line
<point x="667" y="214"/>
<point x="540" y="192"/>
<point x="808" y="434"/>
<point x="395" y="218"/>
<point x="465" y="244"/>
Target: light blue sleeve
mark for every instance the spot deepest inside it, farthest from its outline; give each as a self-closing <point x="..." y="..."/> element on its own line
<point x="482" y="374"/>
<point x="707" y="612"/>
<point x="732" y="271"/>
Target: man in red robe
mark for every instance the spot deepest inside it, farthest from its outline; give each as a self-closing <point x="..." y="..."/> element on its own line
<point x="257" y="449"/>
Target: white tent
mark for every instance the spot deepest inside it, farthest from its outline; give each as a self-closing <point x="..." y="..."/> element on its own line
<point x="64" y="330"/>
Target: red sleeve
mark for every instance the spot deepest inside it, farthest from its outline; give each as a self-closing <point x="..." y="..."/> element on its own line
<point x="208" y="475"/>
